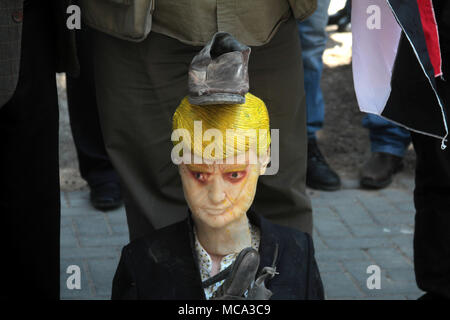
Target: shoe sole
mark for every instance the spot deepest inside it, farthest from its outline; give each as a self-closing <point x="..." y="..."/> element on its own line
<point x="107" y="207"/>
<point x="217" y="98"/>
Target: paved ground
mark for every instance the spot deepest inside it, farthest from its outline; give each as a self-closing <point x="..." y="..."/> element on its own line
<point x="353" y="230"/>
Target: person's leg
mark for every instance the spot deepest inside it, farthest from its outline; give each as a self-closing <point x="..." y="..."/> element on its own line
<point x="313" y="39"/>
<point x="386" y="136"/>
<point x="432" y="180"/>
<point x="29" y="174"/>
<point x="276" y="76"/>
<point x="139" y="86"/>
<point x="388" y="143"/>
<point x="432" y="221"/>
<point x="432" y="191"/>
<point x="94" y="163"/>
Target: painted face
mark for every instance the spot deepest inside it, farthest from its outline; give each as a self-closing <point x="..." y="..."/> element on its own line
<point x="219" y="194"/>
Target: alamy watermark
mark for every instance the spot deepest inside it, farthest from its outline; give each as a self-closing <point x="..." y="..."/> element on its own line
<point x="216" y="147"/>
<point x="374" y="280"/>
<point x="74" y="280"/>
<point x="74" y="20"/>
<point x="374" y="19"/>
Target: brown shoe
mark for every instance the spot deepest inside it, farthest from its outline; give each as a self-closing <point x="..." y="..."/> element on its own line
<point x="242" y="276"/>
<point x="218" y="74"/>
<point x="377" y="173"/>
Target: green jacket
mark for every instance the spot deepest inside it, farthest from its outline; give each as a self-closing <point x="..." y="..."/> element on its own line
<point x="253" y="22"/>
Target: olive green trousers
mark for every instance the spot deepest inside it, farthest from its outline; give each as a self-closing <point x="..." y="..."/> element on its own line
<point x="139" y="86"/>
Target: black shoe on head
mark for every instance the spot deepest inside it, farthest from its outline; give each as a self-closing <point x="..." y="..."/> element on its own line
<point x="106" y="196"/>
<point x="319" y="175"/>
<point x="378" y="171"/>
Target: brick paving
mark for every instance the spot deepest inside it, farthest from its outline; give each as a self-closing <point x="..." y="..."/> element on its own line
<point x="353" y="229"/>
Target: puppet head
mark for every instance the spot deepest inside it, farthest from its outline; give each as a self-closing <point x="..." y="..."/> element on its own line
<point x="228" y="149"/>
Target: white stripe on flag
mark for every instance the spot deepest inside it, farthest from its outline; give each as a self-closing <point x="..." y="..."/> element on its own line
<point x="374" y="51"/>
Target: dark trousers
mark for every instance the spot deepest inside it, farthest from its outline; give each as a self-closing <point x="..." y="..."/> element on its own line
<point x="29" y="174"/>
<point x="95" y="166"/>
<point x="139" y="86"/>
<point x="432" y="225"/>
<point x="432" y="191"/>
<point x="432" y="202"/>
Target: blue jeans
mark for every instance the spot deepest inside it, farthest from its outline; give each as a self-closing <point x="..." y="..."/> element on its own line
<point x="386" y="136"/>
<point x="313" y="39"/>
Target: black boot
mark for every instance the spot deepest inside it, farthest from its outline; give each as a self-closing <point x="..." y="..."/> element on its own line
<point x="319" y="175"/>
<point x="106" y="196"/>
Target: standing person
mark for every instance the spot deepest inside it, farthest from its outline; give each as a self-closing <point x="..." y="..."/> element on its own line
<point x="313" y="38"/>
<point x="432" y="190"/>
<point x="139" y="85"/>
<point x="419" y="98"/>
<point x="33" y="35"/>
<point x="95" y="167"/>
<point x="388" y="143"/>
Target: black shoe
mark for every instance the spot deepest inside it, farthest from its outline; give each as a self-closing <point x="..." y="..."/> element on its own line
<point x="319" y="175"/>
<point x="334" y="18"/>
<point x="341" y="19"/>
<point x="378" y="171"/>
<point x="241" y="278"/>
<point x="106" y="196"/>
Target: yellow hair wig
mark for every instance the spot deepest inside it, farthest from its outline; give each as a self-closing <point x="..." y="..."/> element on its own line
<point x="250" y="122"/>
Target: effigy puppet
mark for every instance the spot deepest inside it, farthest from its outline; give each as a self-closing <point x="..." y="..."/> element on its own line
<point x="223" y="250"/>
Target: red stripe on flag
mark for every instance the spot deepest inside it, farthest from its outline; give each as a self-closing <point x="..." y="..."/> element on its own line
<point x="430" y="30"/>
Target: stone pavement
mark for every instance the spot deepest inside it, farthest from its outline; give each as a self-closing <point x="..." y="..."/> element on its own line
<point x="353" y="229"/>
<point x="357" y="228"/>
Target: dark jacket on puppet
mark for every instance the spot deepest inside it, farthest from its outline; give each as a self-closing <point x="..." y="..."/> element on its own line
<point x="163" y="265"/>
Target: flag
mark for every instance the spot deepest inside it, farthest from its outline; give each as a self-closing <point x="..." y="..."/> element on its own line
<point x="377" y="28"/>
